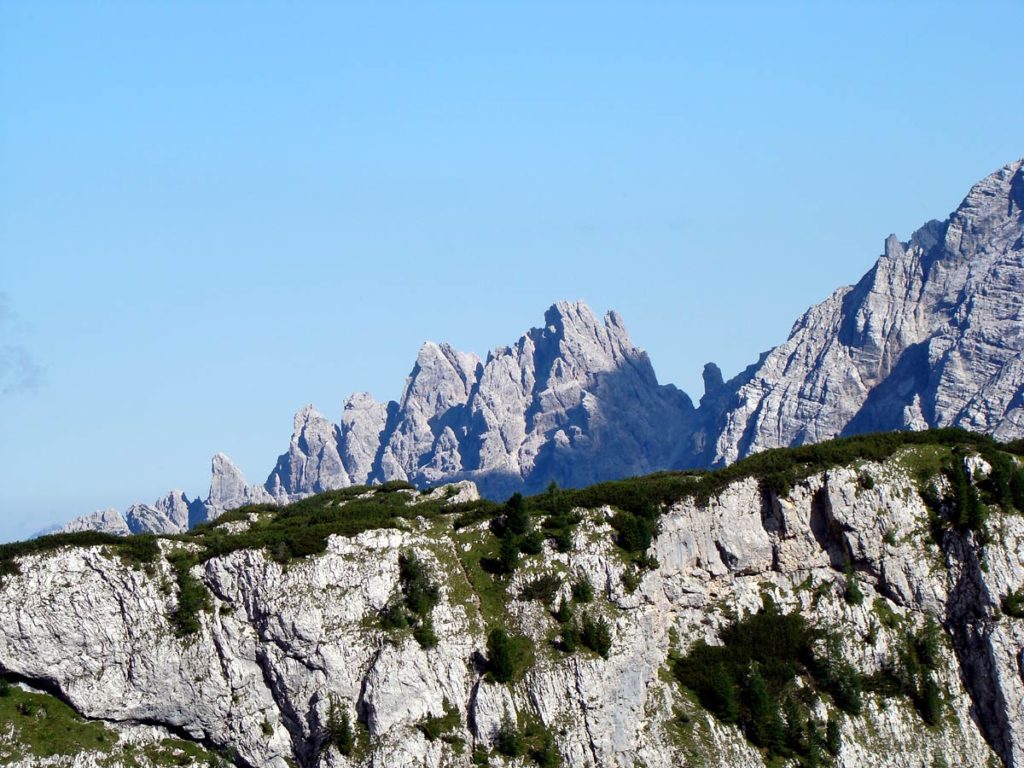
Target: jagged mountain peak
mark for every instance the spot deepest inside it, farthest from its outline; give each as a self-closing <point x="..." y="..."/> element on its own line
<point x="932" y="335"/>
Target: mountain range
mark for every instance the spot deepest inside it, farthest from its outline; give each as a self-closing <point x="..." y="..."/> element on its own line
<point x="931" y="336"/>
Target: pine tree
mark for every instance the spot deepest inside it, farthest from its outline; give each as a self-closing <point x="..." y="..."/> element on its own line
<point x="502" y="656"/>
<point x="508" y="554"/>
<point x="720" y="694"/>
<point x="564" y="613"/>
<point x="508" y="740"/>
<point x="766" y="728"/>
<point x="833" y="739"/>
<point x="517" y="519"/>
<point x="339" y="728"/>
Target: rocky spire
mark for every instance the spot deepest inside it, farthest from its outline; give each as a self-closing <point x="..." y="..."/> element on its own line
<point x="229" y="488"/>
<point x="313" y="463"/>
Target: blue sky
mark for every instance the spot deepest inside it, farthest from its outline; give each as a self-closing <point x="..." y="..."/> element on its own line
<point x="212" y="214"/>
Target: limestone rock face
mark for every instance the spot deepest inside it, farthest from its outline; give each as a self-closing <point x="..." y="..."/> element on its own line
<point x="281" y="645"/>
<point x="229" y="488"/>
<point x="105" y="521"/>
<point x="169" y="514"/>
<point x="932" y="336"/>
<point x="574" y="402"/>
<point x="312" y="463"/>
<point x="363" y="422"/>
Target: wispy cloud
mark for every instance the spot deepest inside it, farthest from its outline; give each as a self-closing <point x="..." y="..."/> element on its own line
<point x="19" y="372"/>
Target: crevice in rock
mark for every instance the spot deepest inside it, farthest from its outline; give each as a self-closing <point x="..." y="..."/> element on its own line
<point x="971" y="627"/>
<point x="828" y="531"/>
<point x="361" y="707"/>
<point x="292" y="721"/>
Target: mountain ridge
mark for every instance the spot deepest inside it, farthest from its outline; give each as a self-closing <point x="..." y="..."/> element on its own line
<point x="931" y="336"/>
<point x="890" y="562"/>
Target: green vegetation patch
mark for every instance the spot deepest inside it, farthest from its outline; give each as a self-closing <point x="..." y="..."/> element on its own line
<point x="751" y="679"/>
<point x="911" y="672"/>
<point x="508" y="656"/>
<point x="419" y="596"/>
<point x="302" y="528"/>
<point x="526" y="736"/>
<point x="46" y="727"/>
<point x="193" y="596"/>
<point x="133" y="550"/>
<point x="437" y="727"/>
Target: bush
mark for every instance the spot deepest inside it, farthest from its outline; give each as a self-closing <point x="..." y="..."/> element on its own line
<point x="929" y="700"/>
<point x="543" y="588"/>
<point x="569" y="638"/>
<point x="852" y="592"/>
<point x="424" y="633"/>
<point x="421" y="593"/>
<point x="596" y="635"/>
<point x="563" y="613"/>
<point x="338" y="731"/>
<point x="634" y="533"/>
<point x="507" y="656"/>
<point x="508" y="741"/>
<point x="516" y="518"/>
<point x="394" y="616"/>
<point x="508" y="554"/>
<point x="532" y="543"/>
<point x="764" y="726"/>
<point x="546" y="754"/>
<point x="911" y="673"/>
<point x="833" y="739"/>
<point x="1012" y="603"/>
<point x="745" y="679"/>
<point x="582" y="590"/>
<point x="434" y="727"/>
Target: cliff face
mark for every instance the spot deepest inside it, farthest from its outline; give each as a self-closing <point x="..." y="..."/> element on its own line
<point x="284" y="641"/>
<point x="932" y="336"/>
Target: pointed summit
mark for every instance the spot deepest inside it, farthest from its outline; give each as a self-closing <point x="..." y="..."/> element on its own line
<point x="229" y="488"/>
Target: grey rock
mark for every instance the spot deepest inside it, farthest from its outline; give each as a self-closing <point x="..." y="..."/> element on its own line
<point x="281" y="643"/>
<point x="313" y="463"/>
<point x="932" y="336"/>
<point x="572" y="402"/>
<point x="105" y="521"/>
<point x="363" y="422"/>
<point x="169" y="514"/>
<point x="229" y="488"/>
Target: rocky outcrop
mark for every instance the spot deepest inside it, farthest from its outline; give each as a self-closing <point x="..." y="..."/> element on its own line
<point x="175" y="513"/>
<point x="282" y="645"/>
<point x="105" y="521"/>
<point x="169" y="514"/>
<point x="932" y="336"/>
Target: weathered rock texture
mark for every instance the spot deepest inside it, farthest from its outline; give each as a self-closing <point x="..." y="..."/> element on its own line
<point x="932" y="336"/>
<point x="281" y="643"/>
